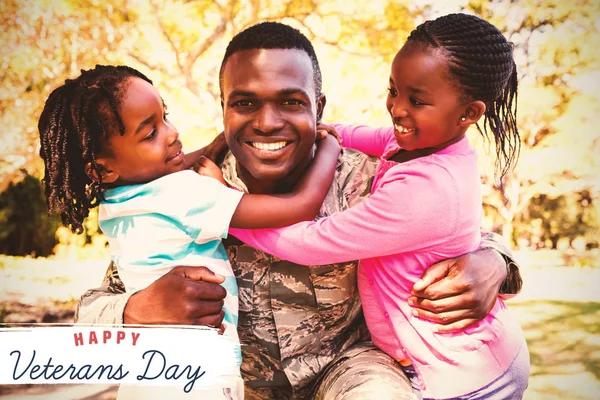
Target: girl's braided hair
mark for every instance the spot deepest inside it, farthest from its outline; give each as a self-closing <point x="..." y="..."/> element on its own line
<point x="73" y="126"/>
<point x="481" y="63"/>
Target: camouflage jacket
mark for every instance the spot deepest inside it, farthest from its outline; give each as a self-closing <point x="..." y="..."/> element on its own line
<point x="293" y="321"/>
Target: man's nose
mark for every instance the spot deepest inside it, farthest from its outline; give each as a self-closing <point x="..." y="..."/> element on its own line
<point x="268" y="119"/>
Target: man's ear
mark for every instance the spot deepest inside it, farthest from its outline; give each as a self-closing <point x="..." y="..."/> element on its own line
<point x="321" y="101"/>
<point x="473" y="112"/>
<point x="108" y="174"/>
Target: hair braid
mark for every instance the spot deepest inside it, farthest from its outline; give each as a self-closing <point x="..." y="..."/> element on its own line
<point x="73" y="126"/>
<point x="481" y="63"/>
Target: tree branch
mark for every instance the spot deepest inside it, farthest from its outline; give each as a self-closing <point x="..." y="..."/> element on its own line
<point x="205" y="45"/>
<point x="167" y="37"/>
<point x="148" y="65"/>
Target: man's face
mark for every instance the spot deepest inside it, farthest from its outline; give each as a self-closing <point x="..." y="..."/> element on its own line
<point x="270" y="112"/>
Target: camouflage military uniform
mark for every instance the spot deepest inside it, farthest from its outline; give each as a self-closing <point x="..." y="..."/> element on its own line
<point x="294" y="322"/>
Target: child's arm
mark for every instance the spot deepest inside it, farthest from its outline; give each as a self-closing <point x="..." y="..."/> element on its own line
<point x="270" y="211"/>
<point x="401" y="216"/>
<point x="366" y="139"/>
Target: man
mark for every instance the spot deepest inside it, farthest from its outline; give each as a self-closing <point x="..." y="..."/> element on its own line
<point x="302" y="330"/>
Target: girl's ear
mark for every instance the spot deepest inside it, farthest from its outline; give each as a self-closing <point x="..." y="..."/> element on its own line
<point x="109" y="175"/>
<point x="472" y="113"/>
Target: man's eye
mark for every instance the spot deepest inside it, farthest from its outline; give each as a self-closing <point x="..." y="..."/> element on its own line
<point x="242" y="103"/>
<point x="393" y="92"/>
<point x="292" y="102"/>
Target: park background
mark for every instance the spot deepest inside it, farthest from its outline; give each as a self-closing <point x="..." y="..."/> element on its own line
<point x="548" y="208"/>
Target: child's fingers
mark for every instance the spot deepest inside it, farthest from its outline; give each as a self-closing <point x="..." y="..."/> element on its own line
<point x="322" y="133"/>
<point x="205" y="164"/>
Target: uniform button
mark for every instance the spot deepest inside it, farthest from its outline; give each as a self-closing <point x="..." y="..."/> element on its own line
<point x="370" y="281"/>
<point x="387" y="315"/>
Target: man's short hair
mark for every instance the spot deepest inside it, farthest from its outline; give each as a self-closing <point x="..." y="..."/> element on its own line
<point x="272" y="35"/>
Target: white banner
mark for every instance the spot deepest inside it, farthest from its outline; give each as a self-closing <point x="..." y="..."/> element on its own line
<point x="185" y="357"/>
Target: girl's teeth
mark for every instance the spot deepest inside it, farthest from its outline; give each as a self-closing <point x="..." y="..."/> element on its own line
<point x="269" y="146"/>
<point x="402" y="129"/>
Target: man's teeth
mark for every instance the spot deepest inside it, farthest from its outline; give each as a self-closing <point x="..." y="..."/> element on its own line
<point x="269" y="146"/>
<point x="402" y="129"/>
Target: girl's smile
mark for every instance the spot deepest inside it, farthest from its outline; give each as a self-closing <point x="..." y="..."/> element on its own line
<point x="425" y="108"/>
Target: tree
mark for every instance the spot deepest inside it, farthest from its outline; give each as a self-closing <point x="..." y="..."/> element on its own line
<point x="558" y="116"/>
<point x="179" y="45"/>
<point x="25" y="228"/>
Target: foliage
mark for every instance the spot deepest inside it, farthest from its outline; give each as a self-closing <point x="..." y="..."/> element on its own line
<point x="179" y="45"/>
<point x="547" y="220"/>
<point x="25" y="227"/>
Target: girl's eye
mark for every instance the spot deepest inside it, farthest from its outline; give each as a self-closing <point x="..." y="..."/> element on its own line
<point x="392" y="91"/>
<point x="166" y="114"/>
<point x="416" y="102"/>
<point x="150" y="135"/>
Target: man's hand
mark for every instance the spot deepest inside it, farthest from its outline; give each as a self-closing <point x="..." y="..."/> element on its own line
<point x="183" y="296"/>
<point x="459" y="292"/>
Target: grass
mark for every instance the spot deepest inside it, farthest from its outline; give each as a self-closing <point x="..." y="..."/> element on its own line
<point x="564" y="345"/>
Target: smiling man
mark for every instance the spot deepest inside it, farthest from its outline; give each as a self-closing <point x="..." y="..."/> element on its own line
<point x="270" y="110"/>
<point x="302" y="330"/>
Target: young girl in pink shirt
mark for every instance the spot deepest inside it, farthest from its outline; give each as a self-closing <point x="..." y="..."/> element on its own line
<point x="426" y="206"/>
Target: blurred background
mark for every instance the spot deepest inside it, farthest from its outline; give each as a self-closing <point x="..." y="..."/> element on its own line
<point x="548" y="208"/>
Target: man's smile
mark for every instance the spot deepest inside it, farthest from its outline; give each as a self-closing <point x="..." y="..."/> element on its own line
<point x="269" y="146"/>
<point x="272" y="149"/>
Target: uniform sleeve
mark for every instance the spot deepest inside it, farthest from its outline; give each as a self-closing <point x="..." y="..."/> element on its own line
<point x="401" y="216"/>
<point x="366" y="139"/>
<point x="513" y="283"/>
<point x="106" y="304"/>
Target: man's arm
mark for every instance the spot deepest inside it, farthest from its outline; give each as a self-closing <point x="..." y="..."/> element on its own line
<point x="103" y="305"/>
<point x="183" y="296"/>
<point x="512" y="282"/>
<point x="459" y="292"/>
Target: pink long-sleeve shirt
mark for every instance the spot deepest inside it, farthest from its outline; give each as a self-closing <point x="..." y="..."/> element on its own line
<point x="420" y="212"/>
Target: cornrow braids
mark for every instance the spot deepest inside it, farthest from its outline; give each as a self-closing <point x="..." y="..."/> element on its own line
<point x="481" y="63"/>
<point x="73" y="127"/>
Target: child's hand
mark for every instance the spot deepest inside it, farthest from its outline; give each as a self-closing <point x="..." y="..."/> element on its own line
<point x="217" y="149"/>
<point x="208" y="168"/>
<point x="323" y="130"/>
